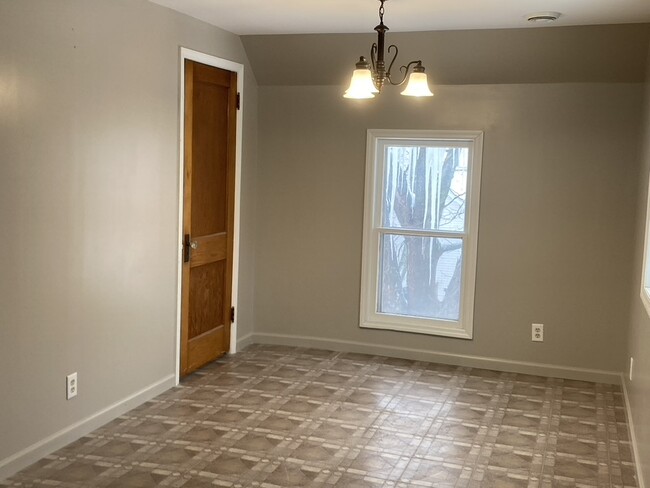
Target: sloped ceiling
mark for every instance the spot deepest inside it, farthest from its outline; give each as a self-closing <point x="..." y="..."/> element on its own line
<point x="613" y="53"/>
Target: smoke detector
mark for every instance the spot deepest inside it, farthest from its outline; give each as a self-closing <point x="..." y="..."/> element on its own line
<point x="543" y="17"/>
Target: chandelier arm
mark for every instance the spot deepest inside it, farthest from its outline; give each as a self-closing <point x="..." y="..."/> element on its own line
<point x="390" y="66"/>
<point x="373" y="56"/>
<point x="405" y="69"/>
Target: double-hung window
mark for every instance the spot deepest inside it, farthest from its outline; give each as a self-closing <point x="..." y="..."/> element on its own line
<point x="420" y="231"/>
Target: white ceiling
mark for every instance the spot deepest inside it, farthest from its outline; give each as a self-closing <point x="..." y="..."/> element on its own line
<point x="245" y="17"/>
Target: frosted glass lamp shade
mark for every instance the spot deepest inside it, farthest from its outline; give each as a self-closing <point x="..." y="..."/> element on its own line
<point x="361" y="85"/>
<point x="417" y="86"/>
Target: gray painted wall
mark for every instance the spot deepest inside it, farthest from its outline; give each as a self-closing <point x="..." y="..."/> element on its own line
<point x="89" y="127"/>
<point x="638" y="345"/>
<point x="558" y="197"/>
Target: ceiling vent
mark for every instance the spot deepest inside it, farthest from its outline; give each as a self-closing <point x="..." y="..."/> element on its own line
<point x="543" y="17"/>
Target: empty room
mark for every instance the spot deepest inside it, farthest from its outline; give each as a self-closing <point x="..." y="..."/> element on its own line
<point x="380" y="243"/>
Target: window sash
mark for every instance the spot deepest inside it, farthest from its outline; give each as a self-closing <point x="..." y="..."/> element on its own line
<point x="379" y="265"/>
<point x="439" y="143"/>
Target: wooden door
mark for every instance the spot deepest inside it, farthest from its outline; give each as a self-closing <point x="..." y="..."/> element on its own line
<point x="208" y="213"/>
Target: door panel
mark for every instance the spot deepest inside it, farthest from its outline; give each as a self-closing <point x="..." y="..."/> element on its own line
<point x="209" y="159"/>
<point x="206" y="298"/>
<point x="210" y="122"/>
<point x="209" y="248"/>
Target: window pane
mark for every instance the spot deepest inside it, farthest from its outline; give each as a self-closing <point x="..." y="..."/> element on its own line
<point x="425" y="187"/>
<point x="420" y="276"/>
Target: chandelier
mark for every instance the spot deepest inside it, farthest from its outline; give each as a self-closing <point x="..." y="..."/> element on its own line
<point x="368" y="79"/>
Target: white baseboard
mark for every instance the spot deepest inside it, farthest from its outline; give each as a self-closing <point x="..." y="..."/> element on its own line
<point x="245" y="341"/>
<point x="630" y="425"/>
<point x="14" y="463"/>
<point x="541" y="369"/>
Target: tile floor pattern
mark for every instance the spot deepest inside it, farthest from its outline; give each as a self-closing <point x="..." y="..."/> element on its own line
<point x="289" y="417"/>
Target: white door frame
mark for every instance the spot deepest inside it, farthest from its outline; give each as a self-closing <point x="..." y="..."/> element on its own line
<point x="239" y="69"/>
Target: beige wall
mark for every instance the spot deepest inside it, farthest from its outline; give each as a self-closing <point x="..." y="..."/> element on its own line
<point x="556" y="221"/>
<point x="89" y="126"/>
<point x="638" y="345"/>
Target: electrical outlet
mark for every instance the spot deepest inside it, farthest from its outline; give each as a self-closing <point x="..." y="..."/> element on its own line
<point x="631" y="367"/>
<point x="71" y="386"/>
<point x="538" y="333"/>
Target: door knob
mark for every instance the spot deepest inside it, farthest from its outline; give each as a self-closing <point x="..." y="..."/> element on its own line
<point x="194" y="244"/>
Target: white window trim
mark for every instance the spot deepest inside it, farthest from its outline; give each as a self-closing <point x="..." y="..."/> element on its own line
<point x="369" y="317"/>
<point x="645" y="272"/>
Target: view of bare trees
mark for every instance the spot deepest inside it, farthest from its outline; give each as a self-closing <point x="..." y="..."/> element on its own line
<point x="424" y="195"/>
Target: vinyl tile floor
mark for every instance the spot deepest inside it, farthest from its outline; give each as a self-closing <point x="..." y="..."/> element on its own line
<point x="274" y="416"/>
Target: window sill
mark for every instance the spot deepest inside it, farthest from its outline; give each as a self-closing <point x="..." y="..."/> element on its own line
<point x="436" y="328"/>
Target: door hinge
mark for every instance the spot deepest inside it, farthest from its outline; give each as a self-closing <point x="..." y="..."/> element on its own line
<point x="186" y="248"/>
<point x="232" y="314"/>
<point x="238" y="101"/>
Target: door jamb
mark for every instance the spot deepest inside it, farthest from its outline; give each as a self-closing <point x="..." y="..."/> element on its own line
<point x="238" y="68"/>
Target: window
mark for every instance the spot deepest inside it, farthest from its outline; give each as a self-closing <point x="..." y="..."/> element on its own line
<point x="645" y="275"/>
<point x="420" y="231"/>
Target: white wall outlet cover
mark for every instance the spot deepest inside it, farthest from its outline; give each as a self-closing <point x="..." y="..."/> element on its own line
<point x="537" y="333"/>
<point x="71" y="386"/>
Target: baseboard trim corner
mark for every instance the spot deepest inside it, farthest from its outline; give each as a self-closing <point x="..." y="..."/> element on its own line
<point x="630" y="426"/>
<point x="245" y="341"/>
<point x="23" y="458"/>
<point x="499" y="364"/>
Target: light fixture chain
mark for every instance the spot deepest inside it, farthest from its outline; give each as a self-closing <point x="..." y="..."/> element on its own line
<point x="381" y="11"/>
